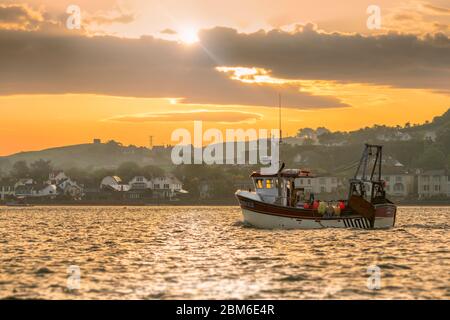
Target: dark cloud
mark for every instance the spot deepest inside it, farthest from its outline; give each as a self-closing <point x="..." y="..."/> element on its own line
<point x="33" y="62"/>
<point x="18" y="17"/>
<point x="391" y="59"/>
<point x="39" y="62"/>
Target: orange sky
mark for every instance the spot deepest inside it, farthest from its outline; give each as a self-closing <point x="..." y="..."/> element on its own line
<point x="33" y="119"/>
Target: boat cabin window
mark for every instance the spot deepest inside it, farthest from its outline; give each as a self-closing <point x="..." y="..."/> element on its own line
<point x="259" y="183"/>
<point x="265" y="183"/>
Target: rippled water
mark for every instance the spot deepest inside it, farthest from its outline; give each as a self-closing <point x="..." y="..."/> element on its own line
<point x="206" y="252"/>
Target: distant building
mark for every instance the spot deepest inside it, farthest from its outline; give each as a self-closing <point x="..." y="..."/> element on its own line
<point x="97" y="141"/>
<point x="167" y="187"/>
<point x="433" y="183"/>
<point x="6" y="189"/>
<point x="35" y="190"/>
<point x="24" y="182"/>
<point x="113" y="183"/>
<point x="23" y="190"/>
<point x="307" y="183"/>
<point x="398" y="182"/>
<point x="399" y="185"/>
<point x="140" y="187"/>
<point x="140" y="183"/>
<point x="396" y="136"/>
<point x="324" y="184"/>
<point x="44" y="190"/>
<point x="430" y="135"/>
<point x="69" y="188"/>
<point x="65" y="185"/>
<point x="56" y="177"/>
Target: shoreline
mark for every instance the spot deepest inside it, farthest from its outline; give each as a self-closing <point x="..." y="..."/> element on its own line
<point x="230" y="204"/>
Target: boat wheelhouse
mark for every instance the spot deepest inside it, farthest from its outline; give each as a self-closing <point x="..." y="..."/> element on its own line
<point x="281" y="188"/>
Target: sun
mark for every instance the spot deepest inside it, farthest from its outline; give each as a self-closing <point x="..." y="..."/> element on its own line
<point x="189" y="36"/>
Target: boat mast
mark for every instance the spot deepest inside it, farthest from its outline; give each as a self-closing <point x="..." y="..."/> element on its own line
<point x="280" y="194"/>
<point x="362" y="172"/>
<point x="279" y="117"/>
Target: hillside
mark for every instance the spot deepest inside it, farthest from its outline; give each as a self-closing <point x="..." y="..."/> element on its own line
<point x="425" y="146"/>
<point x="92" y="155"/>
<point x="417" y="146"/>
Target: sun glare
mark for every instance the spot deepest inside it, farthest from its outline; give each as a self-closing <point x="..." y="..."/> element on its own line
<point x="189" y="36"/>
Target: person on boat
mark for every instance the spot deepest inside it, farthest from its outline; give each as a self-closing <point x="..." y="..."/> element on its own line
<point x="337" y="209"/>
<point x="300" y="198"/>
<point x="329" y="210"/>
<point x="311" y="199"/>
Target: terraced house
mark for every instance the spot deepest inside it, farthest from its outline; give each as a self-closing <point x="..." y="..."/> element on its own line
<point x="434" y="184"/>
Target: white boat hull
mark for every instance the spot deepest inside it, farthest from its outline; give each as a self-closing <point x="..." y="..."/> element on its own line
<point x="268" y="216"/>
<point x="265" y="221"/>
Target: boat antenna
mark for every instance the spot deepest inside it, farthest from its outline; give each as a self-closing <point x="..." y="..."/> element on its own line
<point x="279" y="117"/>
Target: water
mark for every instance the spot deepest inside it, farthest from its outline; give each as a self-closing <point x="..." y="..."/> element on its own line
<point x="206" y="252"/>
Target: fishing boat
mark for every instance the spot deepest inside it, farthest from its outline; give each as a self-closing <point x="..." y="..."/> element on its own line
<point x="281" y="201"/>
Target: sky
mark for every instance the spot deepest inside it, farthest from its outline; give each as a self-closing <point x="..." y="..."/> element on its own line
<point x="136" y="68"/>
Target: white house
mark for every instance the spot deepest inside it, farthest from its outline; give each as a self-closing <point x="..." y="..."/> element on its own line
<point x="45" y="191"/>
<point x="57" y="176"/>
<point x="162" y="187"/>
<point x="6" y="190"/>
<point x="305" y="182"/>
<point x="399" y="185"/>
<point x="24" y="182"/>
<point x="113" y="183"/>
<point x="325" y="185"/>
<point x="317" y="184"/>
<point x="69" y="187"/>
<point x="140" y="183"/>
<point x="167" y="183"/>
<point x="433" y="183"/>
<point x="167" y="186"/>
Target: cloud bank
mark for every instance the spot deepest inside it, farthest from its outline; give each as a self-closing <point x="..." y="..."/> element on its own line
<point x="65" y="62"/>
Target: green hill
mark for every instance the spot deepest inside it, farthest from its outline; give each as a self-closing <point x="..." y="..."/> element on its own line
<point x="93" y="155"/>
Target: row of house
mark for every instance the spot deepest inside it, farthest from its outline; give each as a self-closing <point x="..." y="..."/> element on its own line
<point x="417" y="185"/>
<point x="60" y="185"/>
<point x="140" y="187"/>
<point x="421" y="184"/>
